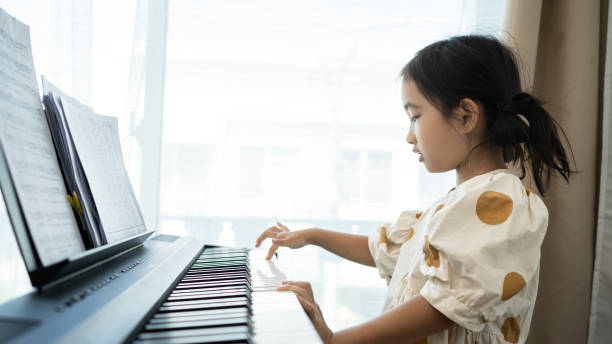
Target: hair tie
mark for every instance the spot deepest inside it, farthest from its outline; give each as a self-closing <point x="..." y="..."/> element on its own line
<point x="520" y="102"/>
<point x="522" y="118"/>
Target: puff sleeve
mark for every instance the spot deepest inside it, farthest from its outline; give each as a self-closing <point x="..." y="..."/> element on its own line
<point x="385" y="244"/>
<point x="480" y="258"/>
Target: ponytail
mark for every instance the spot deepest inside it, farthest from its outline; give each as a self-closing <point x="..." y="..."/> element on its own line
<point x="484" y="70"/>
<point x="528" y="137"/>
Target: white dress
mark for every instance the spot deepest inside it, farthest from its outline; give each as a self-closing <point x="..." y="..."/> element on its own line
<point x="474" y="255"/>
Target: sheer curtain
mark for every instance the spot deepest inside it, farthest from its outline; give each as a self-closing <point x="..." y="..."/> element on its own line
<point x="94" y="51"/>
<point x="601" y="299"/>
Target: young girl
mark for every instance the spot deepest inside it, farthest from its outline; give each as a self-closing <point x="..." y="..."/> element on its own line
<point x="466" y="269"/>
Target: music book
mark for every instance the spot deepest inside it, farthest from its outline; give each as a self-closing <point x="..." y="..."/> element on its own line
<point x="61" y="166"/>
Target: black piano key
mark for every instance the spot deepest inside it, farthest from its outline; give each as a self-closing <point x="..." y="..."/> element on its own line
<point x="242" y="260"/>
<point x="237" y="312"/>
<point x="208" y="290"/>
<point x="201" y="323"/>
<point x="219" y="265"/>
<point x="217" y="270"/>
<point x="204" y="290"/>
<point x="204" y="295"/>
<point x="195" y="281"/>
<point x="206" y="301"/>
<point x="206" y="272"/>
<point x="217" y="339"/>
<point x="210" y="305"/>
<point x="212" y="285"/>
<point x="225" y="249"/>
<point x="216" y="277"/>
<point x="207" y="312"/>
<point x="203" y="284"/>
<point x="209" y="296"/>
<point x="244" y="257"/>
<point x="204" y="335"/>
<point x="212" y="273"/>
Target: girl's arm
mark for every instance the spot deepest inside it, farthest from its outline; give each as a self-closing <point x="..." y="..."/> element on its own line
<point x="349" y="246"/>
<point x="412" y="321"/>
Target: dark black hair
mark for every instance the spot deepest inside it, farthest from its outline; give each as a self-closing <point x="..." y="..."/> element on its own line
<point x="483" y="69"/>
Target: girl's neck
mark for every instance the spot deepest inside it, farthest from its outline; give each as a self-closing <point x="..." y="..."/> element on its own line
<point x="481" y="160"/>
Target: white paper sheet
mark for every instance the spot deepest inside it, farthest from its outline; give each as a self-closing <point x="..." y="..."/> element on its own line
<point x="96" y="138"/>
<point x="27" y="143"/>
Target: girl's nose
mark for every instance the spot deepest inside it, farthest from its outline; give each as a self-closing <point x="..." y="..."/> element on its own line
<point x="411" y="138"/>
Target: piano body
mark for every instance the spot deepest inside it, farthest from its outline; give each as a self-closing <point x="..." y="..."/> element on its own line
<point x="167" y="289"/>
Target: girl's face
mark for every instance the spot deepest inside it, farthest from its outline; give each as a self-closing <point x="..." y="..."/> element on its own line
<point x="436" y="138"/>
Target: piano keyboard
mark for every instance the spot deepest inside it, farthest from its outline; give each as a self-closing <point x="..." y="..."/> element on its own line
<point x="229" y="296"/>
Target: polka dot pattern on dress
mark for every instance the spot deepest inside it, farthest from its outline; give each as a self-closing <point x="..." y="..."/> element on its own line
<point x="438" y="208"/>
<point x="513" y="283"/>
<point x="432" y="257"/>
<point x="493" y="208"/>
<point x="511" y="329"/>
<point x="383" y="235"/>
<point x="409" y="235"/>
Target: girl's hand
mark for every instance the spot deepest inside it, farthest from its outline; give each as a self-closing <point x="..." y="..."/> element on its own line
<point x="282" y="236"/>
<point x="303" y="291"/>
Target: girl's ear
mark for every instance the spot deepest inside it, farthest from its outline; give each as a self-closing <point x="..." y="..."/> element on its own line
<point x="469" y="113"/>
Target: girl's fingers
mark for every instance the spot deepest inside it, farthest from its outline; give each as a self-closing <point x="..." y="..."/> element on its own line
<point x="282" y="226"/>
<point x="272" y="250"/>
<point x="295" y="289"/>
<point x="268" y="233"/>
<point x="306" y="286"/>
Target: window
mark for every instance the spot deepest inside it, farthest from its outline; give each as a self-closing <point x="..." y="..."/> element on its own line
<point x="299" y="104"/>
<point x="273" y="110"/>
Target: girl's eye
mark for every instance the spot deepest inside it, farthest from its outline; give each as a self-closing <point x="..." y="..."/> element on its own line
<point x="414" y="118"/>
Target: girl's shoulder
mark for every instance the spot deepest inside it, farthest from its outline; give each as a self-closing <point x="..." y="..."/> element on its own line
<point x="493" y="197"/>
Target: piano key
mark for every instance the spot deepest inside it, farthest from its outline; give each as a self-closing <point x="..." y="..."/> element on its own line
<point x="214" y="281"/>
<point x="234" y="338"/>
<point x="206" y="301"/>
<point x="201" y="333"/>
<point x="204" y="290"/>
<point x="175" y="299"/>
<point x="219" y="265"/>
<point x="217" y="270"/>
<point x="239" y="312"/>
<point x="199" y="296"/>
<point x="215" y="278"/>
<point x="201" y="323"/>
<point x="205" y="273"/>
<point x="187" y="292"/>
<point x="220" y="312"/>
<point x="210" y="305"/>
<point x="213" y="285"/>
<point x="223" y="256"/>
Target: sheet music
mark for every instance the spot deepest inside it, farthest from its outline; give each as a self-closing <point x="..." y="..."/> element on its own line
<point x="96" y="138"/>
<point x="28" y="147"/>
<point x="74" y="176"/>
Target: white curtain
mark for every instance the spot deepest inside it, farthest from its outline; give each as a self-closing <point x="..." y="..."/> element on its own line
<point x="600" y="330"/>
